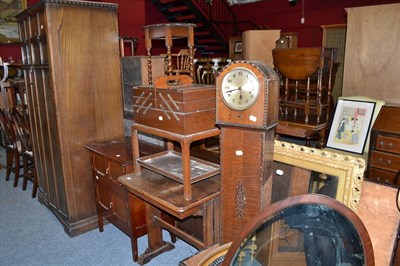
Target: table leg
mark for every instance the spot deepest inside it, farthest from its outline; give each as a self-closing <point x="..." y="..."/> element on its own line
<point x="134" y="244"/>
<point x="149" y="70"/>
<point x="187" y="186"/>
<point x="100" y="221"/>
<point x="135" y="151"/>
<point x="170" y="145"/>
<point x="154" y="233"/>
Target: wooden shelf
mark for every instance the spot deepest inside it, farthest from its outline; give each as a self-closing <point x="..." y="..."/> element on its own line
<point x="169" y="164"/>
<point x="180" y="167"/>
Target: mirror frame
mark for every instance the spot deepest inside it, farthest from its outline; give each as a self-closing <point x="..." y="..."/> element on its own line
<point x="349" y="169"/>
<point x="319" y="199"/>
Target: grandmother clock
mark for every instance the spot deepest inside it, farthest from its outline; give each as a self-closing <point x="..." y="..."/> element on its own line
<point x="247" y="113"/>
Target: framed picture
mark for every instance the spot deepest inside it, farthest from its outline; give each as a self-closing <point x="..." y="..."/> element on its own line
<point x="8" y="22"/>
<point x="238" y="47"/>
<point x="350" y="126"/>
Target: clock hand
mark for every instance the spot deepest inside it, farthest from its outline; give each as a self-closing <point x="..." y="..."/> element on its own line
<point x="238" y="88"/>
<point x="232" y="90"/>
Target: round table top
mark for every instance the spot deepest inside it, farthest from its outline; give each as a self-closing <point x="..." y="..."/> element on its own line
<point x="168" y="25"/>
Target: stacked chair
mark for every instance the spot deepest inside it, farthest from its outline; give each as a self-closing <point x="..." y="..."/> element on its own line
<point x="22" y="129"/>
<point x="19" y="154"/>
<point x="12" y="146"/>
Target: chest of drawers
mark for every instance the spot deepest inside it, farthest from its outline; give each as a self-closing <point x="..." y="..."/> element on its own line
<point x="384" y="154"/>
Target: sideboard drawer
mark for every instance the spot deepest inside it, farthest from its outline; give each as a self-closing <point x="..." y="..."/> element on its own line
<point x="384" y="176"/>
<point x="385" y="143"/>
<point x="99" y="164"/>
<point x="116" y="170"/>
<point x="386" y="161"/>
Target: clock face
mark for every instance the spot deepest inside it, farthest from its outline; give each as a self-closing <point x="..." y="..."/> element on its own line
<point x="240" y="89"/>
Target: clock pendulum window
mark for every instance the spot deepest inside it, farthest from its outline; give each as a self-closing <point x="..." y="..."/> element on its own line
<point x="247" y="113"/>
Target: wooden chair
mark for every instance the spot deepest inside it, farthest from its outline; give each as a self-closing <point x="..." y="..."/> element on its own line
<point x="183" y="63"/>
<point x="305" y="101"/>
<point x="205" y="72"/>
<point x="12" y="145"/>
<point x="23" y="132"/>
<point x="207" y="69"/>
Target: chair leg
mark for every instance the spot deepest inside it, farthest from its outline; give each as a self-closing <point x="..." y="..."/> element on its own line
<point x="321" y="142"/>
<point x="16" y="168"/>
<point x="10" y="161"/>
<point x="35" y="184"/>
<point x="25" y="173"/>
<point x="308" y="142"/>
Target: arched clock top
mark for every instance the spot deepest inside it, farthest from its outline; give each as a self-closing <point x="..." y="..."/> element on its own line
<point x="248" y="95"/>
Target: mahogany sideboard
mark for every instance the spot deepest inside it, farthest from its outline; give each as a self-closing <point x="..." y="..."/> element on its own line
<point x="384" y="153"/>
<point x="69" y="49"/>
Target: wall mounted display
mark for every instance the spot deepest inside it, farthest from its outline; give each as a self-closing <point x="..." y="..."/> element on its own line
<point x="238" y="47"/>
<point x="350" y="126"/>
<point x="8" y="22"/>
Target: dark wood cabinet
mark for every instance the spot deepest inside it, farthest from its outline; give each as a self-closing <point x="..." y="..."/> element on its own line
<point x="71" y="64"/>
<point x="384" y="154"/>
<point x="110" y="160"/>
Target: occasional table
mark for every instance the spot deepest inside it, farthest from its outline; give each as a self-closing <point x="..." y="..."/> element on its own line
<point x="168" y="32"/>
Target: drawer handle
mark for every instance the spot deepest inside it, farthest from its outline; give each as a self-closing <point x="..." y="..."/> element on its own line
<point x="97" y="177"/>
<point x="111" y="205"/>
<point x="107" y="171"/>
<point x="382" y="143"/>
<point x="382" y="161"/>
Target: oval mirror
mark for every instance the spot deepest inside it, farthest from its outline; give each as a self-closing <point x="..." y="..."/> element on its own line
<point x="304" y="230"/>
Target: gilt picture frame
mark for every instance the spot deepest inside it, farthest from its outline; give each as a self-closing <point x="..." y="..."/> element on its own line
<point x="8" y="22"/>
<point x="348" y="169"/>
<point x="351" y="125"/>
